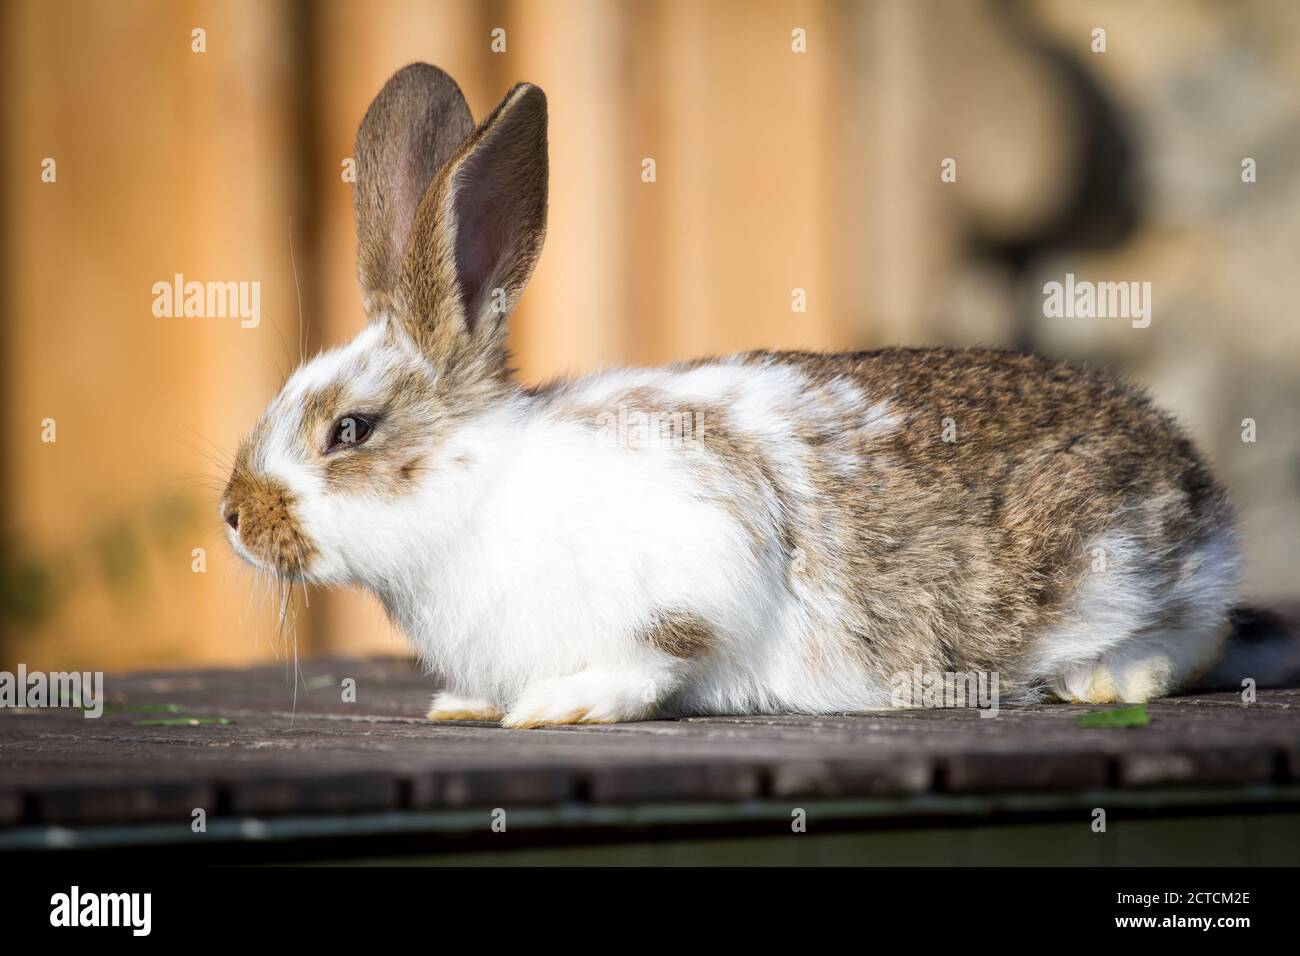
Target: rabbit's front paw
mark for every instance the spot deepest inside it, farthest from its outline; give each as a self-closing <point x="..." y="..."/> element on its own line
<point x="588" y="697"/>
<point x="448" y="706"/>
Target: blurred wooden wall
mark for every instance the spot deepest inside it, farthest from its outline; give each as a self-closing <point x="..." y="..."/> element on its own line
<point x="776" y="170"/>
<point x="208" y="164"/>
<point x="168" y="162"/>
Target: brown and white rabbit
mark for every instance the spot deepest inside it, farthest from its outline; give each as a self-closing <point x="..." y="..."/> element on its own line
<point x="766" y="532"/>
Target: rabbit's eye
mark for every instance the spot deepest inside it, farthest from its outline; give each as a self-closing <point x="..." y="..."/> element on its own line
<point x="350" y="430"/>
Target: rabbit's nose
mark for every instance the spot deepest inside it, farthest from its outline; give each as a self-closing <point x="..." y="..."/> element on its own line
<point x="232" y="519"/>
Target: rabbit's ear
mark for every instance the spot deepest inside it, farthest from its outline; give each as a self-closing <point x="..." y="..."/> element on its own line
<point x="477" y="236"/>
<point x="415" y="124"/>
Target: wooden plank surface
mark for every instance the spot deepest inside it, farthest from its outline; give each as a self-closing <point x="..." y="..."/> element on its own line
<point x="319" y="754"/>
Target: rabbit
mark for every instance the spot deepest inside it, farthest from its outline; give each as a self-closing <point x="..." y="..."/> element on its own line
<point x="769" y="532"/>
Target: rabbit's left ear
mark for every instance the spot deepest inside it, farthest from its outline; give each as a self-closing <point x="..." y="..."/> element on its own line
<point x="414" y="126"/>
<point x="477" y="235"/>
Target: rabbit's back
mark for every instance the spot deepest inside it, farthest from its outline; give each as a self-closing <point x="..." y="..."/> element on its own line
<point x="960" y="510"/>
<point x="1025" y="515"/>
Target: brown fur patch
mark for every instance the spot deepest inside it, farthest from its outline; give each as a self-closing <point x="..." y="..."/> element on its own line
<point x="680" y="634"/>
<point x="320" y="409"/>
<point x="578" y="716"/>
<point x="463" y="714"/>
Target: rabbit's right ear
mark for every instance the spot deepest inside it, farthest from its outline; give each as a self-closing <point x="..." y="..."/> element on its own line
<point x="415" y="124"/>
<point x="476" y="239"/>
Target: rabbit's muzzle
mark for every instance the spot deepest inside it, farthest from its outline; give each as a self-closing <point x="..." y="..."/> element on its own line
<point x="261" y="514"/>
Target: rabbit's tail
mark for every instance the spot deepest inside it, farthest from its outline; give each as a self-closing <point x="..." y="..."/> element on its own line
<point x="1261" y="646"/>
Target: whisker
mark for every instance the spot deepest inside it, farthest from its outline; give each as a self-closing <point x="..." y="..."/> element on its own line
<point x="221" y="452"/>
<point x="302" y="574"/>
<point x="206" y="482"/>
<point x="284" y="343"/>
<point x="280" y="375"/>
<point x="203" y="453"/>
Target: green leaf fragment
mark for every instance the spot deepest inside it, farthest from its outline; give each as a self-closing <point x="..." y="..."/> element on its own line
<point x="1135" y="716"/>
<point x="186" y="722"/>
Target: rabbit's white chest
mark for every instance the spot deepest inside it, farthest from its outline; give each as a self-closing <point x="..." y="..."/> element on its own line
<point x="572" y="551"/>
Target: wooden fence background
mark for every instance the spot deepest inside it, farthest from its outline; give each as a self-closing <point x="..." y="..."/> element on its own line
<point x="776" y="170"/>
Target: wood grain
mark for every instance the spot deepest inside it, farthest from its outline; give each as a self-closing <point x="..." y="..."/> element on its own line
<point x="322" y="755"/>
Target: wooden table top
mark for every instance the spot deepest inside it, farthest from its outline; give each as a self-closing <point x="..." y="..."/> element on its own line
<point x="236" y="743"/>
